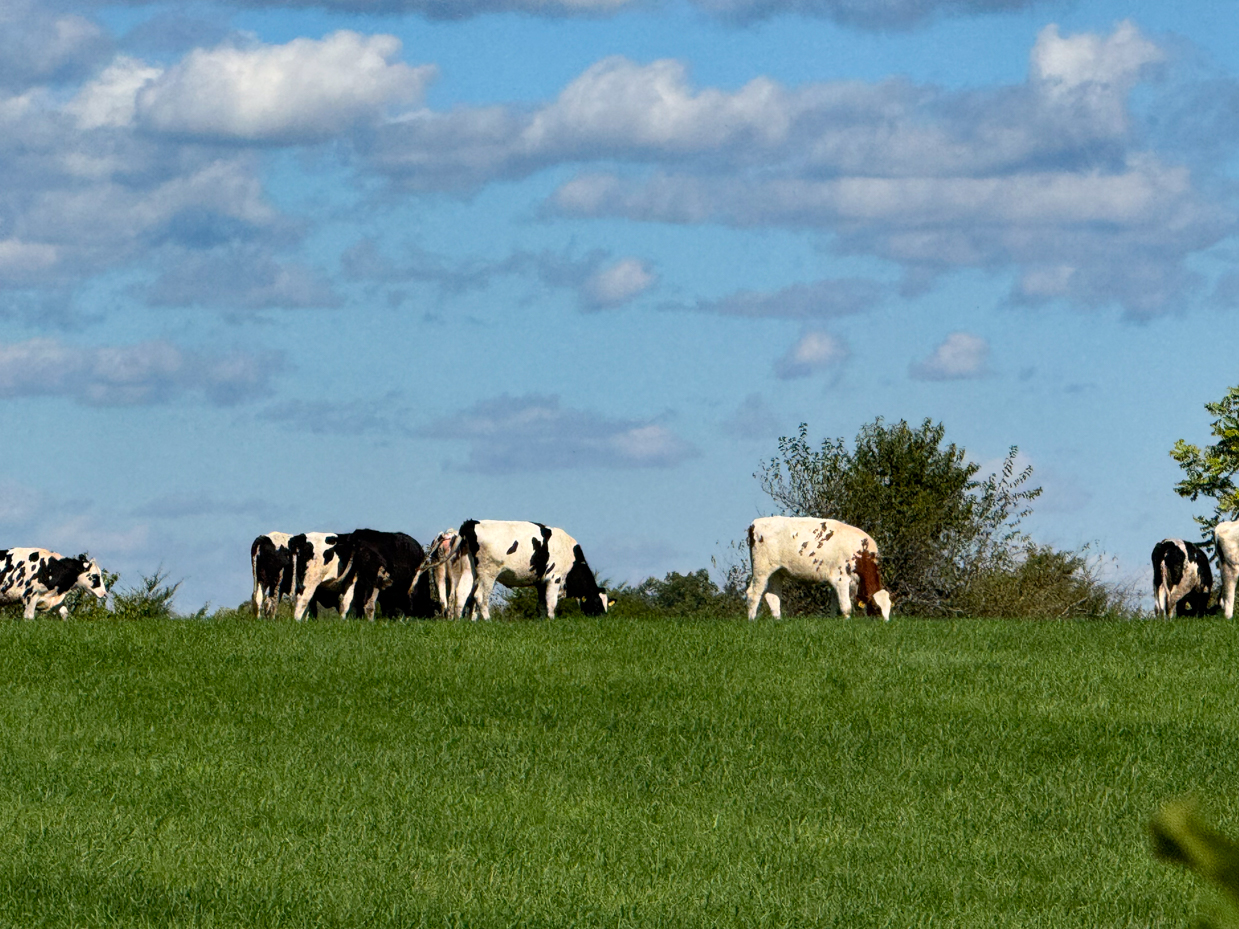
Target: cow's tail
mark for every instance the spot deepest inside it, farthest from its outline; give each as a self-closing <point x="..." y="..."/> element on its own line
<point x="258" y="593"/>
<point x="435" y="559"/>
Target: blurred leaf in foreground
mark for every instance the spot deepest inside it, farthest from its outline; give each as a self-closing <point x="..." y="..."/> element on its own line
<point x="1179" y="835"/>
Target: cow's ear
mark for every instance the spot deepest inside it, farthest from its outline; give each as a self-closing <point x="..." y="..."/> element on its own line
<point x="83" y="557"/>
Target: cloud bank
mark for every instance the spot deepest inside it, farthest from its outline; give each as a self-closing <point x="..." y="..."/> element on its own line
<point x="131" y="375"/>
<point x="534" y="433"/>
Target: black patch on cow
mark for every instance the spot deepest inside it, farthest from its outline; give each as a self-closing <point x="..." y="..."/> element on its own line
<point x="541" y="557"/>
<point x="1168" y="558"/>
<point x="272" y="566"/>
<point x="34" y="556"/>
<point x="300" y="550"/>
<point x="59" y="574"/>
<point x="515" y="545"/>
<point x="469" y="532"/>
<point x="580" y="583"/>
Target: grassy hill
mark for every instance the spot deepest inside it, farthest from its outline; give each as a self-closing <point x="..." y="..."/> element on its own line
<point x="606" y="773"/>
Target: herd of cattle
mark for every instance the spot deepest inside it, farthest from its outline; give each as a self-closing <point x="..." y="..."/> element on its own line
<point x="366" y="570"/>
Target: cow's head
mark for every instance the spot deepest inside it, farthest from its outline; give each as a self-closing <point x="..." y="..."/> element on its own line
<point x="595" y="604"/>
<point x="882" y="600"/>
<point x="90" y="577"/>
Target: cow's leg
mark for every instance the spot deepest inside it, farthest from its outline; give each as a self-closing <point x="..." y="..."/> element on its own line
<point x="304" y="601"/>
<point x="28" y="611"/>
<point x="843" y="590"/>
<point x="64" y="613"/>
<point x="371" y="603"/>
<point x="1159" y="600"/>
<point x="756" y="591"/>
<point x="1172" y="605"/>
<point x="271" y="602"/>
<point x="346" y="600"/>
<point x="440" y="579"/>
<point x="460" y="585"/>
<point x="774" y="595"/>
<point x="481" y="596"/>
<point x="550" y="593"/>
<point x="1230" y="575"/>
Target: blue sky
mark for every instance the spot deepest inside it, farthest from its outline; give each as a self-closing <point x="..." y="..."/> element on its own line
<point x="272" y="265"/>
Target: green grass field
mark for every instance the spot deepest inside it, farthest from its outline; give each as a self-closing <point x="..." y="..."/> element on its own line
<point x="812" y="772"/>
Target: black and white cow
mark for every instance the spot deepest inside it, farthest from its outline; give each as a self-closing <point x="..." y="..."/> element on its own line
<point x="1181" y="577"/>
<point x="272" y="563"/>
<point x="819" y="551"/>
<point x="1226" y="545"/>
<point x="364" y="568"/>
<point x="521" y="554"/>
<point x="41" y="579"/>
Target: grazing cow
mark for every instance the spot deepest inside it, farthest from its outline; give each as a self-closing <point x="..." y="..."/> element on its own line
<point x="272" y="562"/>
<point x="1181" y="576"/>
<point x="447" y="565"/>
<point x="1226" y="545"/>
<point x="520" y="554"/>
<point x="815" y="550"/>
<point x="365" y="567"/>
<point x="40" y="579"/>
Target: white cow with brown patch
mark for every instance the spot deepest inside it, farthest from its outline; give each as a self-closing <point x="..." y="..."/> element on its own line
<point x="823" y="551"/>
<point x="1226" y="545"/>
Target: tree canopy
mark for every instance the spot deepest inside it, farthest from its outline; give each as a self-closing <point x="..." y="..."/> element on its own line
<point x="1211" y="472"/>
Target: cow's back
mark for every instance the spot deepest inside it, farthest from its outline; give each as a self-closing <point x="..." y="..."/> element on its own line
<point x="805" y="547"/>
<point x="515" y="552"/>
<point x="19" y="568"/>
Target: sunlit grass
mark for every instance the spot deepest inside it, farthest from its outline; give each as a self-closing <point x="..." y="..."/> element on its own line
<point x="631" y="773"/>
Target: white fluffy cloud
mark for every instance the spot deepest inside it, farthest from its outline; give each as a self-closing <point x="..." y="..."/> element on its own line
<point x="1046" y="178"/>
<point x="534" y="433"/>
<point x="617" y="284"/>
<point x="961" y="355"/>
<point x="148" y="372"/>
<point x="814" y="351"/>
<point x="303" y="91"/>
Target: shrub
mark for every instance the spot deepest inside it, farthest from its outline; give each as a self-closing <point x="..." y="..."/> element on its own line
<point x="151" y="599"/>
<point x="688" y="593"/>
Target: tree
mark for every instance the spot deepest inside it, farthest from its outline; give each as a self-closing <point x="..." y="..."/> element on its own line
<point x="939" y="529"/>
<point x="1211" y="472"/>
